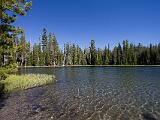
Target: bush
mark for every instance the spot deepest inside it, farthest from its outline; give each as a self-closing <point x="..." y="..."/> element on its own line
<point x="5" y="71"/>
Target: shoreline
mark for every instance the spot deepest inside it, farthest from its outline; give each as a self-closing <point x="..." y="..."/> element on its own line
<point x="90" y="66"/>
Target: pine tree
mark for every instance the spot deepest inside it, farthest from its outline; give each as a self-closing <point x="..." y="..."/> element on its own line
<point x="55" y="51"/>
<point x="67" y="54"/>
<point x="119" y="54"/>
<point x="125" y="52"/>
<point x="158" y="52"/>
<point x="22" y="50"/>
<point x="44" y="40"/>
<point x="15" y="48"/>
<point x="60" y="58"/>
<point x="105" y="57"/>
<point x="41" y="55"/>
<point x="74" y="54"/>
<point x="9" y="10"/>
<point x="109" y="55"/>
<point x="93" y="52"/>
<point x="87" y="56"/>
<point x="114" y="56"/>
<point x="99" y="57"/>
<point x="28" y="54"/>
<point x="35" y="57"/>
<point x="79" y="56"/>
<point x="44" y="47"/>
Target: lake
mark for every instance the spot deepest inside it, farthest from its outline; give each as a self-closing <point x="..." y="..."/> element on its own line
<point x="88" y="93"/>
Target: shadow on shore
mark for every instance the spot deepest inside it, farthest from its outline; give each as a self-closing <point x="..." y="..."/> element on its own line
<point x="2" y="96"/>
<point x="148" y="116"/>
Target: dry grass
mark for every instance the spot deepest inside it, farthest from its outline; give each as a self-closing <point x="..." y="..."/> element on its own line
<point x="21" y="82"/>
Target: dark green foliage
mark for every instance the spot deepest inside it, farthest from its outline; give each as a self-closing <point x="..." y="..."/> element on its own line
<point x="74" y="52"/>
<point x="123" y="54"/>
<point x="93" y="53"/>
<point x="44" y="40"/>
<point x="105" y="56"/>
<point x="52" y="55"/>
<point x="9" y="10"/>
<point x="22" y="50"/>
<point x="5" y="71"/>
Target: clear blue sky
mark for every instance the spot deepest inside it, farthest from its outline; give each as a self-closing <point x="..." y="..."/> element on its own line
<point x="105" y="21"/>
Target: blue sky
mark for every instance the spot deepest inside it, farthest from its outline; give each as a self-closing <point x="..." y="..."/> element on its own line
<point x="105" y="21"/>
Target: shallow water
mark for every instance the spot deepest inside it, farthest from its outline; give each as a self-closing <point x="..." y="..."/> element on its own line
<point x="89" y="93"/>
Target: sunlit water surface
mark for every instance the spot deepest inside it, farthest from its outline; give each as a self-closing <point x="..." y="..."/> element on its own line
<point x="89" y="93"/>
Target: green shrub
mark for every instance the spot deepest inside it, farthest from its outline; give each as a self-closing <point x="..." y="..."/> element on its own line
<point x="5" y="71"/>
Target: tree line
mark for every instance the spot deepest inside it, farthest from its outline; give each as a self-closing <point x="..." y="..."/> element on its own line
<point x="48" y="53"/>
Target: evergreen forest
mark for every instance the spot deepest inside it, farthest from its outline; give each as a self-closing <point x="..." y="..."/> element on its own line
<point x="48" y="53"/>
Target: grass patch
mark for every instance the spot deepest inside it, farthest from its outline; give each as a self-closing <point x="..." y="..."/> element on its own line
<point x="22" y="82"/>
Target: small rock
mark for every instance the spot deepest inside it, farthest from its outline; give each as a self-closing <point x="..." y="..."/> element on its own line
<point x="51" y="117"/>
